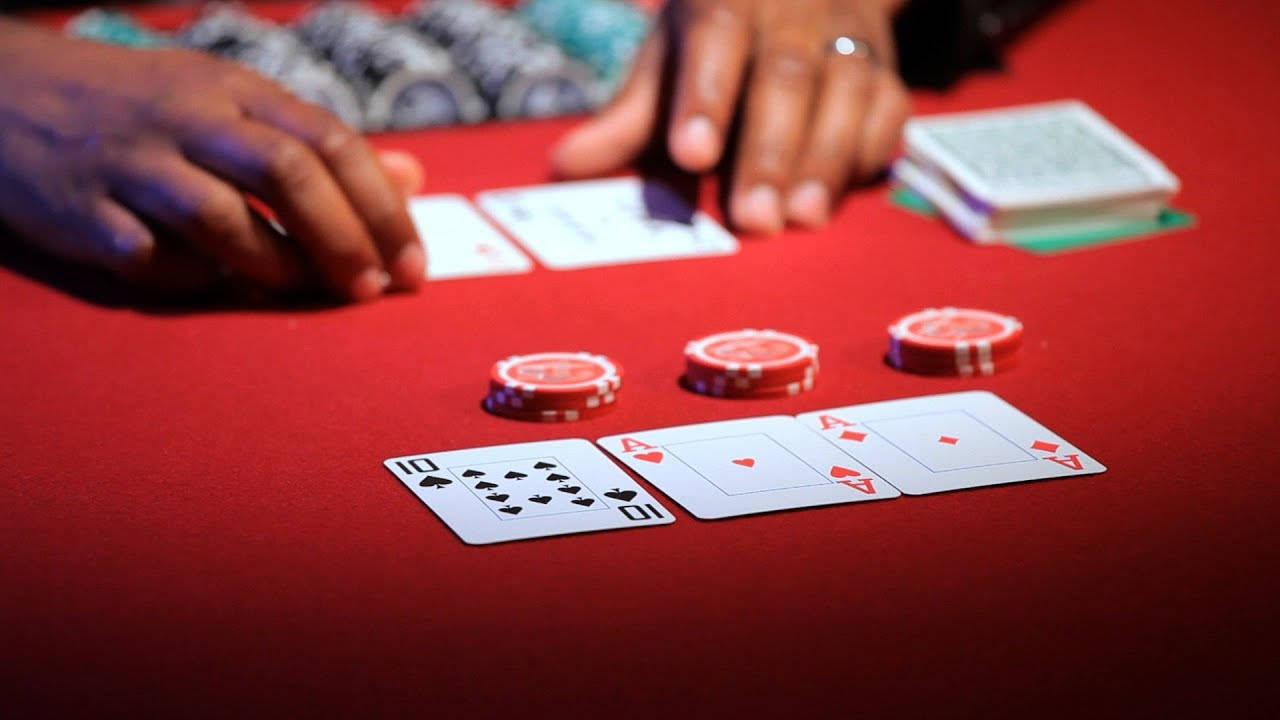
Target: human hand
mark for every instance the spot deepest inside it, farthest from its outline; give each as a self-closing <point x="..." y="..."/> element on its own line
<point x="813" y="121"/>
<point x="140" y="161"/>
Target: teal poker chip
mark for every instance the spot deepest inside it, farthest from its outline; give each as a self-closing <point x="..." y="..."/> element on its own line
<point x="603" y="34"/>
<point x="114" y="27"/>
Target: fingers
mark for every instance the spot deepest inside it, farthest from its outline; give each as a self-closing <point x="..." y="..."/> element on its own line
<point x="293" y="181"/>
<point x="779" y="97"/>
<point x="185" y="201"/>
<point x="126" y="247"/>
<point x="832" y="148"/>
<point x="621" y="130"/>
<point x="404" y="171"/>
<point x="353" y="170"/>
<point x="890" y="108"/>
<point x="716" y="41"/>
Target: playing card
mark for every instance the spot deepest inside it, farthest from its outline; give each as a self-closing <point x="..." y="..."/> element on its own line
<point x="604" y="222"/>
<point x="739" y="467"/>
<point x="527" y="490"/>
<point x="460" y="242"/>
<point x="949" y="442"/>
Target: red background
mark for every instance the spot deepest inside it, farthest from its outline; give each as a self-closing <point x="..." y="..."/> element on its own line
<point x="196" y="520"/>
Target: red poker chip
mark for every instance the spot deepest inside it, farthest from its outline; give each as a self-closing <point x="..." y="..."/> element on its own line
<point x="705" y="387"/>
<point x="967" y="355"/>
<point x="729" y="384"/>
<point x="553" y="374"/>
<point x="754" y="354"/>
<point x="948" y="329"/>
<point x="518" y="401"/>
<point x="976" y="370"/>
<point x="548" y="415"/>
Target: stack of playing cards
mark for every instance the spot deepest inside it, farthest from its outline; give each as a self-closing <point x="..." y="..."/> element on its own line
<point x="1022" y="174"/>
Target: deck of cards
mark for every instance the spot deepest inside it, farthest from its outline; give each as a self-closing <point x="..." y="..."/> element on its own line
<point x="1022" y="174"/>
<point x="839" y="456"/>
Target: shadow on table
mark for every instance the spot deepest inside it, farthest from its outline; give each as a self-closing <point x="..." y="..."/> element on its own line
<point x="100" y="287"/>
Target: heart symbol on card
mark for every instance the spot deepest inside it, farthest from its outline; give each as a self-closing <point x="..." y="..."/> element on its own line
<point x="584" y="502"/>
<point x="838" y="471"/>
<point x="744" y="462"/>
<point x="653" y="457"/>
<point x="571" y="489"/>
<point x="623" y="495"/>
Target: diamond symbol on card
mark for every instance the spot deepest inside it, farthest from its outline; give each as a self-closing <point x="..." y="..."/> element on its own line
<point x="1044" y="446"/>
<point x="853" y="435"/>
<point x="948" y="440"/>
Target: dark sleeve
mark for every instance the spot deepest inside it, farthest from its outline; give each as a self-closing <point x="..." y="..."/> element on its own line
<point x="940" y="40"/>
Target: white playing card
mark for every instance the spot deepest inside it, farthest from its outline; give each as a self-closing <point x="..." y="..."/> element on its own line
<point x="949" y="442"/>
<point x="527" y="490"/>
<point x="603" y="222"/>
<point x="739" y="467"/>
<point x="460" y="242"/>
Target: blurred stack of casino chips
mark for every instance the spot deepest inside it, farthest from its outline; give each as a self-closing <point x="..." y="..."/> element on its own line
<point x="442" y="62"/>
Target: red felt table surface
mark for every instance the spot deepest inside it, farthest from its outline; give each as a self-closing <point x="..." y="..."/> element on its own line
<point x="196" y="520"/>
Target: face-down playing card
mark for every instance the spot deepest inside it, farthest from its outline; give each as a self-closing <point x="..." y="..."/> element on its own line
<point x="739" y="467"/>
<point x="526" y="490"/>
<point x="949" y="442"/>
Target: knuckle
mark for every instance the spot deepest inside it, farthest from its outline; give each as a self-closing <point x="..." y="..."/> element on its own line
<point x="789" y="66"/>
<point x="337" y="140"/>
<point x="218" y="216"/>
<point x="287" y="165"/>
<point x="718" y="15"/>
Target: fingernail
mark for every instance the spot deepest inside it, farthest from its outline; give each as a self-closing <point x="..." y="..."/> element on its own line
<point x="759" y="210"/>
<point x="697" y="144"/>
<point x="410" y="265"/>
<point x="127" y="244"/>
<point x="809" y="204"/>
<point x="369" y="284"/>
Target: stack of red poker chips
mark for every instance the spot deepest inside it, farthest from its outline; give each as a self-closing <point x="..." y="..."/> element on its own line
<point x="553" y="386"/>
<point x="750" y="364"/>
<point x="954" y="341"/>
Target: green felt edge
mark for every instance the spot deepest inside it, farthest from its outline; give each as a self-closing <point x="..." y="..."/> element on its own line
<point x="1169" y="219"/>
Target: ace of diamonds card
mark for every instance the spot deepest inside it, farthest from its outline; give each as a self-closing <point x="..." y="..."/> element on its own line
<point x="947" y="442"/>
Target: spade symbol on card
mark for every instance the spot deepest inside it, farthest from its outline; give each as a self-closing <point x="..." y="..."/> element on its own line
<point x="513" y="475"/>
<point x="542" y="465"/>
<point x="557" y="477"/>
<point x="497" y="497"/>
<point x="510" y="509"/>
<point x="540" y="499"/>
<point x="571" y="489"/>
<point x="623" y="495"/>
<point x="584" y="502"/>
<point x="472" y="473"/>
<point x="435" y="482"/>
<point x="486" y="485"/>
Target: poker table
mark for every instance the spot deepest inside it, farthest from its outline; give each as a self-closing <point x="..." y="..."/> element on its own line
<point x="197" y="522"/>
